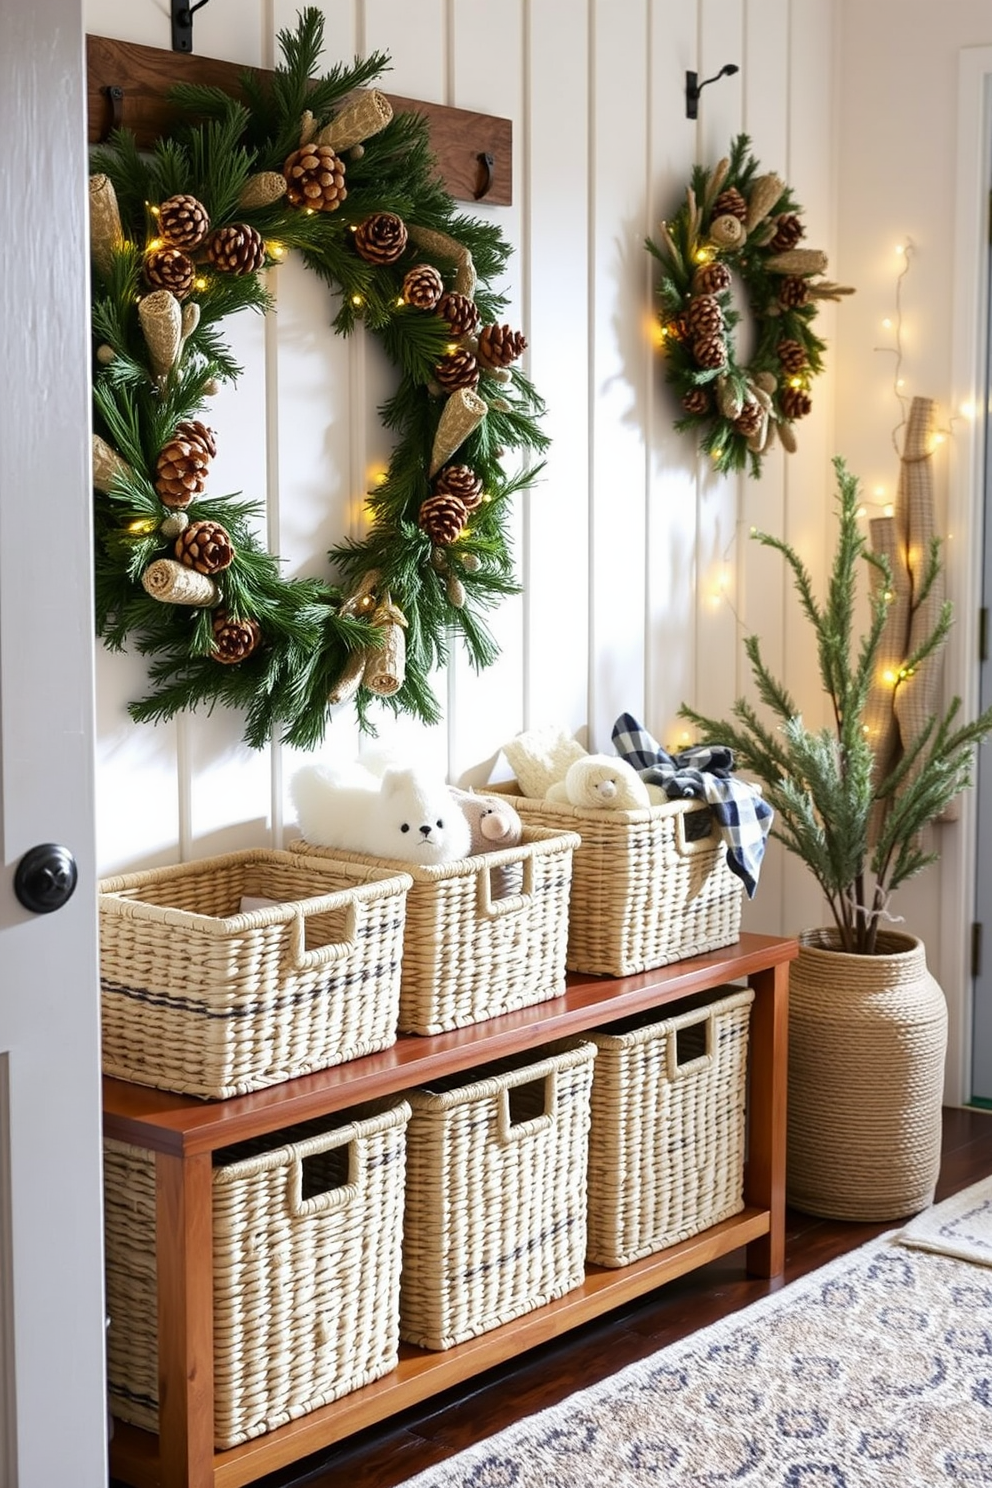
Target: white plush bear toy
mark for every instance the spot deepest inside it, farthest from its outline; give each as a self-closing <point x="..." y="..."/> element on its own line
<point x="407" y="816"/>
<point x="601" y="782"/>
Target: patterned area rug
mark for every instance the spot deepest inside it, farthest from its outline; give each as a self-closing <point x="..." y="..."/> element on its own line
<point x="875" y="1370"/>
<point x="960" y="1226"/>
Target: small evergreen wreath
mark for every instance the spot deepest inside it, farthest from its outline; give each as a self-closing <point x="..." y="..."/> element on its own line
<point x="735" y="221"/>
<point x="181" y="237"/>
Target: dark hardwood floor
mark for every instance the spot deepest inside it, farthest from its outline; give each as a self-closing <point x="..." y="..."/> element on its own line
<point x="388" y="1454"/>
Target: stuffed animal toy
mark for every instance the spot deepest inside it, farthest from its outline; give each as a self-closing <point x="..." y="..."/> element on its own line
<point x="601" y="782"/>
<point x="407" y="816"/>
<point x="493" y="821"/>
<point x="494" y="824"/>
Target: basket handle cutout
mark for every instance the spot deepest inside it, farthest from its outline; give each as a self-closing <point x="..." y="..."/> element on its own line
<point x="686" y="840"/>
<point x="528" y="1106"/>
<point x="302" y="958"/>
<point x="328" y="1178"/>
<point x="493" y="905"/>
<point x="690" y="1047"/>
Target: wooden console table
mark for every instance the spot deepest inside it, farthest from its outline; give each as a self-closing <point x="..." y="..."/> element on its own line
<point x="184" y="1134"/>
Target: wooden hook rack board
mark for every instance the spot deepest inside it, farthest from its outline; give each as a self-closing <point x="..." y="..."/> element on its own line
<point x="474" y="151"/>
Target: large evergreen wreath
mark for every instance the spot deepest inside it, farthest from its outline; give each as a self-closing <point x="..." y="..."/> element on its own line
<point x="181" y="238"/>
<point x="735" y="222"/>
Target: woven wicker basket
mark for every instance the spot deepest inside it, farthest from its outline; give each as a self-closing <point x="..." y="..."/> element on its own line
<point x="307" y="1228"/>
<point x="201" y="998"/>
<point x="495" y="1220"/>
<point x="648" y="887"/>
<point x="666" y="1149"/>
<point x="469" y="954"/>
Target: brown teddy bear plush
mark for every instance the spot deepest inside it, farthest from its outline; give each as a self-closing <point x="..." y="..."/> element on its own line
<point x="494" y="824"/>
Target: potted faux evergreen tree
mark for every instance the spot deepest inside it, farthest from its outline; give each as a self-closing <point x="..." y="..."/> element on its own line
<point x="867" y="1028"/>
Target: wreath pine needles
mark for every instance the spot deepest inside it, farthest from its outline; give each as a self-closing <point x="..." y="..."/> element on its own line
<point x="738" y="224"/>
<point x="183" y="238"/>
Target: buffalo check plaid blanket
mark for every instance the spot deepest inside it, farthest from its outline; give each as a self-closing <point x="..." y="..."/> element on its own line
<point x="704" y="772"/>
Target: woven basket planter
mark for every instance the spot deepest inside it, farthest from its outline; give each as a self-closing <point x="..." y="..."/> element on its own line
<point x="472" y="949"/>
<point x="307" y="1225"/>
<point x="648" y="887"/>
<point x="203" y="997"/>
<point x="495" y="1220"/>
<point x="666" y="1147"/>
<point x="867" y="1036"/>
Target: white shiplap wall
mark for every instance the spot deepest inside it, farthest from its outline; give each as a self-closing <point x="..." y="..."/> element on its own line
<point x="638" y="576"/>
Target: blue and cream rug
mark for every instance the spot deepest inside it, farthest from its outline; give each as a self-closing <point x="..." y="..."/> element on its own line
<point x="875" y="1370"/>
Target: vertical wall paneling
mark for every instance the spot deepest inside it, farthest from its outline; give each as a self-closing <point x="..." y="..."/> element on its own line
<point x="486" y="48"/>
<point x="618" y="369"/>
<point x="765" y="69"/>
<point x="555" y="263"/>
<point x="670" y="631"/>
<point x="720" y="496"/>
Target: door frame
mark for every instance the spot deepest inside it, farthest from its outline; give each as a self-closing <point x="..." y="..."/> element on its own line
<point x="969" y="353"/>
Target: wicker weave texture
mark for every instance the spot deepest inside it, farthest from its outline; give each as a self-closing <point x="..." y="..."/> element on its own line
<point x="469" y="954"/>
<point x="867" y="1039"/>
<point x="306" y="1266"/>
<point x="495" y="1219"/>
<point x="200" y="998"/>
<point x="666" y="1148"/>
<point x="646" y="889"/>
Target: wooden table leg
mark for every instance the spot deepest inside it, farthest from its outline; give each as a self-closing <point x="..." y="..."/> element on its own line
<point x="767" y="1090"/>
<point x="185" y="1320"/>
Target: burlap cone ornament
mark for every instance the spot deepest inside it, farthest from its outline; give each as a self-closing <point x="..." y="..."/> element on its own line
<point x="106" y="232"/>
<point x="106" y="464"/>
<point x="462" y="413"/>
<point x="442" y="245"/>
<point x="368" y="112"/>
<point x="161" y="317"/>
<point x="262" y="189"/>
<point x="385" y="668"/>
<point x="174" y="583"/>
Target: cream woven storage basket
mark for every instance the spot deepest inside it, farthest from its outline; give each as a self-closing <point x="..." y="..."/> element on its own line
<point x="648" y="887"/>
<point x="666" y="1149"/>
<point x="495" y="1219"/>
<point x="469" y="954"/>
<point x="202" y="998"/>
<point x="307" y="1228"/>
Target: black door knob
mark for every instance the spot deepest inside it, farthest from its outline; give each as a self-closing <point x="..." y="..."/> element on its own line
<point x="45" y="878"/>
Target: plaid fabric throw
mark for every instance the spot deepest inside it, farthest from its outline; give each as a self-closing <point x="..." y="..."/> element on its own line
<point x="704" y="772"/>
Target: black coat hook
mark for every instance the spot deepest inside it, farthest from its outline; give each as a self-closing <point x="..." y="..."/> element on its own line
<point x="488" y="163"/>
<point x="182" y="24"/>
<point x="693" y="87"/>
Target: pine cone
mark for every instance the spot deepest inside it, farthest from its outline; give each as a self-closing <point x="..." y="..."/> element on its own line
<point x="234" y="639"/>
<point x="442" y="518"/>
<point x="181" y="471"/>
<point x="315" y="178"/>
<point x="460" y="313"/>
<point x="705" y="316"/>
<point x="237" y="249"/>
<point x="796" y="402"/>
<point x="750" y="418"/>
<point x="730" y="203"/>
<point x="788" y="231"/>
<point x="423" y="287"/>
<point x="793" y="292"/>
<point x="792" y="355"/>
<point x="459" y="369"/>
<point x="460" y="481"/>
<point x="197" y="434"/>
<point x="710" y="351"/>
<point x="169" y="268"/>
<point x="183" y="222"/>
<point x="204" y="546"/>
<point x="499" y="345"/>
<point x="696" y="400"/>
<point x="381" y="238"/>
<point x="711" y="278"/>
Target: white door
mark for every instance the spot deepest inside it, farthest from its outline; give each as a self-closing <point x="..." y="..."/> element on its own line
<point x="52" y="1391"/>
